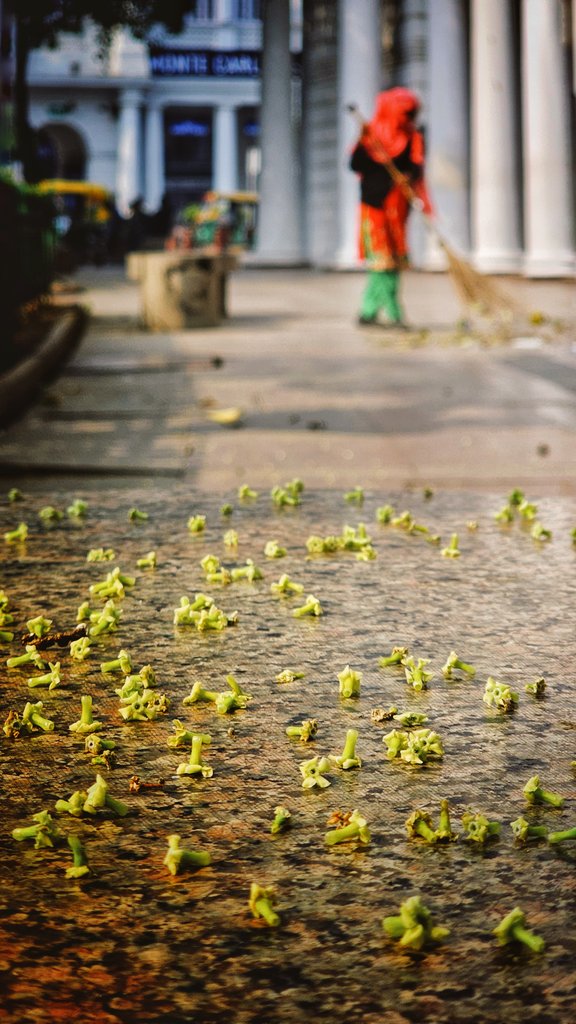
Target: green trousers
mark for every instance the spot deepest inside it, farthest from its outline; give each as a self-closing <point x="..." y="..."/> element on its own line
<point x="381" y="292"/>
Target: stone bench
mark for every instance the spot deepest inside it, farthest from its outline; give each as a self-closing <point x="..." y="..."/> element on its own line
<point x="181" y="289"/>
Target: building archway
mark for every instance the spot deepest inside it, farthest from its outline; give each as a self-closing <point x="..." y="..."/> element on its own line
<point x="61" y="152"/>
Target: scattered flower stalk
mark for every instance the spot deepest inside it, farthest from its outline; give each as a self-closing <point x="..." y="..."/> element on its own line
<point x="452" y="550"/>
<point x="203" y="614"/>
<point x="349" y="682"/>
<point x="94" y="744"/>
<point x="33" y="718"/>
<point x="261" y="903"/>
<point x="478" y="828"/>
<point x="366" y="554"/>
<point x="74" y="805"/>
<point x="44" y="831"/>
<point x="195" y="764"/>
<point x="452" y="663"/>
<point x="79" y="863"/>
<point x="123" y="663"/>
<point x="313" y="772"/>
<point x="136" y="516"/>
<point x="527" y="510"/>
<point x="281" y="497"/>
<point x="419" y="824"/>
<point x="113" y="585"/>
<point x="85" y="724"/>
<point x="523" y="831"/>
<point x="148" y="561"/>
<point x="49" y="514"/>
<point x="179" y="859"/>
<point x="416" y="674"/>
<point x="286" y="586"/>
<point x="78" y="509"/>
<point x="226" y="509"/>
<point x="512" y="929"/>
<point x="282" y="819"/>
<point x="80" y="649"/>
<point x="39" y="626"/>
<point x="397" y="656"/>
<point x="384" y="514"/>
<point x="305" y="732"/>
<point x="246" y="493"/>
<point x="231" y="539"/>
<point x="562" y="836"/>
<point x="101" y="555"/>
<point x="50" y="679"/>
<point x="196" y="524"/>
<point x="18" y="535"/>
<point x="444" y="832"/>
<point x="98" y="798"/>
<point x="536" y="795"/>
<point x="348" y="758"/>
<point x="6" y="636"/>
<point x="311" y="607"/>
<point x="356" y="828"/>
<point x="537" y="688"/>
<point x="414" y="747"/>
<point x="539" y="532"/>
<point x="105" y="621"/>
<point x="355" y="496"/>
<point x="14" y="494"/>
<point x="182" y="736"/>
<point x="505" y="514"/>
<point x="409" y="719"/>
<point x="413" y="926"/>
<point x="272" y="549"/>
<point x="249" y="572"/>
<point x="499" y="696"/>
<point x="289" y="675"/>
<point x="32" y="656"/>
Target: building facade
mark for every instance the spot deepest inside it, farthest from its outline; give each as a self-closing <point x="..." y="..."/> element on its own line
<point x="255" y="96"/>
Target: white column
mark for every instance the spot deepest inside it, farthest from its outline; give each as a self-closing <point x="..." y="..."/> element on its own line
<point x="548" y="167"/>
<point x="279" y="213"/>
<point x="447" y="121"/>
<point x="129" y="152"/>
<point x="225" y="149"/>
<point x="494" y="170"/>
<point x="154" y="160"/>
<point x="359" y="80"/>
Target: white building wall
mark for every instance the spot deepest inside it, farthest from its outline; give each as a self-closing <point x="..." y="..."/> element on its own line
<point x="93" y="118"/>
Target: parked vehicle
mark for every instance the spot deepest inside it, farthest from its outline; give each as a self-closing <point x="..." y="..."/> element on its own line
<point x="221" y="221"/>
<point x="83" y="217"/>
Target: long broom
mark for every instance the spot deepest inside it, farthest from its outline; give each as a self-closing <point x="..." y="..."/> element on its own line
<point x="475" y="289"/>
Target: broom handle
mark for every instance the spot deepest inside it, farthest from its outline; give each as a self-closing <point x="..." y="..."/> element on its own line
<point x="397" y="177"/>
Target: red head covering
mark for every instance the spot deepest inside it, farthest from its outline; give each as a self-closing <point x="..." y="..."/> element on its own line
<point x="393" y="125"/>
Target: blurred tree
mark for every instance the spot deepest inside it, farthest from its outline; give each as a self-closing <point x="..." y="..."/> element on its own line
<point x="40" y="22"/>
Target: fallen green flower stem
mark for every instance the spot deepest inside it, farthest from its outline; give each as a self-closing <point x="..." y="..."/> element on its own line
<point x="79" y="863"/>
<point x="511" y="929"/>
<point x="311" y="607"/>
<point x="398" y="655"/>
<point x="349" y="682"/>
<point x="17" y="536"/>
<point x="348" y="758"/>
<point x="523" y="830"/>
<point x="85" y="723"/>
<point x="180" y="859"/>
<point x="44" y="832"/>
<point x="305" y="731"/>
<point x="356" y="828"/>
<point x="261" y="903"/>
<point x="536" y="795"/>
<point x="413" y="926"/>
<point x="281" y="820"/>
<point x="454" y="662"/>
<point x="563" y="836"/>
<point x="32" y="718"/>
<point x="195" y="765"/>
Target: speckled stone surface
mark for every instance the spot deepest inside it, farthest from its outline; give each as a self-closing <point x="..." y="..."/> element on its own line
<point x="129" y="942"/>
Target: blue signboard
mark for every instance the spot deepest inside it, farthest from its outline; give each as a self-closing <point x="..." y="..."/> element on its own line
<point x="172" y="63"/>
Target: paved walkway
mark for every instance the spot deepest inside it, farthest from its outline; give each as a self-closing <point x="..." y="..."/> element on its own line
<point x="319" y="397"/>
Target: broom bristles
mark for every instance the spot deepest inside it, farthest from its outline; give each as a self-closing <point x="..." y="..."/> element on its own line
<point x="476" y="289"/>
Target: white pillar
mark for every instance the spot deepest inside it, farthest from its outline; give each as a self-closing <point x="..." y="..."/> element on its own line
<point x="494" y="170"/>
<point x="359" y="80"/>
<point x="129" y="158"/>
<point x="279" y="213"/>
<point x="225" y="149"/>
<point x="447" y="121"/>
<point x="548" y="167"/>
<point x="154" y="160"/>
